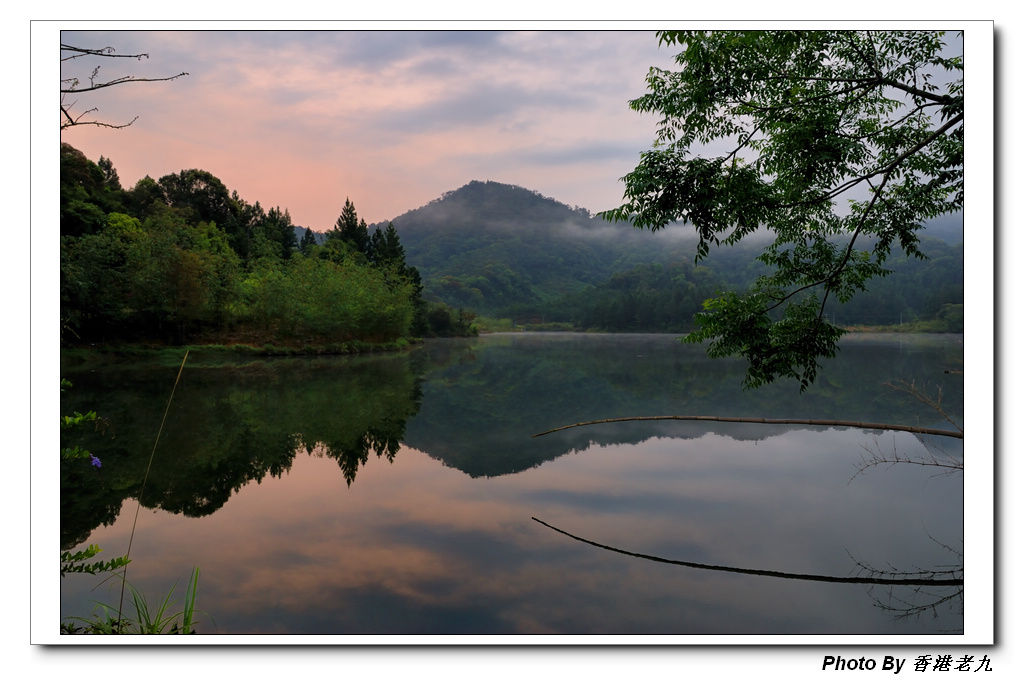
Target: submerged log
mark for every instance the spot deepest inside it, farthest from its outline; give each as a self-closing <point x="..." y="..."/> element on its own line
<point x="736" y="419"/>
<point x="931" y="578"/>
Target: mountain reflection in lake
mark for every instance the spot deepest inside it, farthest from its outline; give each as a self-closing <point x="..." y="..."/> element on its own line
<point x="394" y="494"/>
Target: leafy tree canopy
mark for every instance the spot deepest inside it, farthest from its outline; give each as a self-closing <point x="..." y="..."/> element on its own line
<point x="842" y="143"/>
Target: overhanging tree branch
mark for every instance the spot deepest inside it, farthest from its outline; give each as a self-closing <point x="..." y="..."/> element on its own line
<point x="71" y="86"/>
<point x="826" y="115"/>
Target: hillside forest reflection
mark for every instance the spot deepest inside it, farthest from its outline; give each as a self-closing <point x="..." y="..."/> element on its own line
<point x="396" y="493"/>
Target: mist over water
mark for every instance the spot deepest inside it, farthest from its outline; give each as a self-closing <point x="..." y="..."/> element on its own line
<point x="396" y="494"/>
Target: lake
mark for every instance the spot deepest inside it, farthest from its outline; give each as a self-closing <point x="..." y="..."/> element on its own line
<point x="403" y="494"/>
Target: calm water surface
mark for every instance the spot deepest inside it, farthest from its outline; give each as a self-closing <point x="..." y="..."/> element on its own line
<point x="396" y="494"/>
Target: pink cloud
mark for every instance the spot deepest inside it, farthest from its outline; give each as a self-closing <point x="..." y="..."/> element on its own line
<point x="390" y="120"/>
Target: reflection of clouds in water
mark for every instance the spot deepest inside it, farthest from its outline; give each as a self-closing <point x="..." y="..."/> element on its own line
<point x="413" y="546"/>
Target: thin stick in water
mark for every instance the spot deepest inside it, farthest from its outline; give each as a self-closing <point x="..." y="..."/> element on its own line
<point x="138" y="504"/>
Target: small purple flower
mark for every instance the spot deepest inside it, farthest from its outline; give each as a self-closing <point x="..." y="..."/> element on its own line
<point x="95" y="460"/>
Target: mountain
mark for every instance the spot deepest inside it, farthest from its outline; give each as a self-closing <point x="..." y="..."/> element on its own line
<point x="300" y="232"/>
<point x="948" y="228"/>
<point x="501" y="249"/>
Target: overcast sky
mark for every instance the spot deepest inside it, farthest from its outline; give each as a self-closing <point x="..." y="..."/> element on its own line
<point x="392" y="120"/>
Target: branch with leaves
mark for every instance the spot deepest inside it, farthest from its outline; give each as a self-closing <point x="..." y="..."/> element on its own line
<point x="76" y="562"/>
<point x="832" y="138"/>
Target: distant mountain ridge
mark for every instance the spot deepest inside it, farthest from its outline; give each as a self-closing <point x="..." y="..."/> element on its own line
<point x="503" y="250"/>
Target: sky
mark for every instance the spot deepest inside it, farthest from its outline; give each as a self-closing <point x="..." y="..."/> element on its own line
<point x="389" y="119"/>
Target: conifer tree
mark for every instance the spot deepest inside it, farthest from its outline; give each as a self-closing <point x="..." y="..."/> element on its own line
<point x="389" y="248"/>
<point x="351" y="229"/>
<point x="307" y="242"/>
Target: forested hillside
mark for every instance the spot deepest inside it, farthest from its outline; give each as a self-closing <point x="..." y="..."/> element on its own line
<point x="181" y="259"/>
<point x="505" y="251"/>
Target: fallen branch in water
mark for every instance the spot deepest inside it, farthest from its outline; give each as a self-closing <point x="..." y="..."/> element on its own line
<point x="929" y="578"/>
<point x="735" y="419"/>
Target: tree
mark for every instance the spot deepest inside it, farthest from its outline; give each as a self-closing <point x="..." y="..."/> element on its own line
<point x="277" y="227"/>
<point x="351" y="229"/>
<point x="308" y="242"/>
<point x="388" y="248"/>
<point x="72" y="86"/>
<point x="86" y="196"/>
<point x="200" y="196"/>
<point x="841" y="143"/>
<point x="110" y="177"/>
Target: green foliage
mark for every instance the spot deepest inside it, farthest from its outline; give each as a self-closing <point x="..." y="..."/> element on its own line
<point x="87" y="192"/>
<point x="183" y="259"/>
<point x="352" y="231"/>
<point x="308" y="242"/>
<point x="787" y="347"/>
<point x="502" y="250"/>
<point x="507" y="387"/>
<point x="647" y="298"/>
<point x="810" y="119"/>
<point x="199" y="195"/>
<point x="386" y="248"/>
<point x="325" y="299"/>
<point x="492" y="325"/>
<point x="445" y="322"/>
<point x="163" y="278"/>
<point x="158" y="620"/>
<point x="110" y="177"/>
<point x="232" y="423"/>
<point x="67" y="426"/>
<point x="75" y="563"/>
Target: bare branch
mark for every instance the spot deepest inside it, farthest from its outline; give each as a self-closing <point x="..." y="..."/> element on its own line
<point x="71" y="85"/>
<point x="101" y="52"/>
<point x="119" y="81"/>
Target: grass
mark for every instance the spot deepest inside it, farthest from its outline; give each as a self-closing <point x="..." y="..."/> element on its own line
<point x="158" y="620"/>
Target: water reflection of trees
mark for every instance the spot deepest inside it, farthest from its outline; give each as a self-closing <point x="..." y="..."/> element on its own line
<point x="356" y="451"/>
<point x="483" y="399"/>
<point x="904" y="593"/>
<point x="228" y="425"/>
